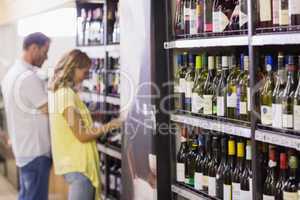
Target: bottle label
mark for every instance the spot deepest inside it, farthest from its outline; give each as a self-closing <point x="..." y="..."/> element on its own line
<point x="182" y="84"/>
<point x="265" y="10"/>
<point x="243" y="108"/>
<point x="112" y="182"/>
<point x="198" y="181"/>
<point x="266" y="115"/>
<point x="290" y="195"/>
<point x="276" y="12"/>
<point x="246" y="195"/>
<point x="243" y="17"/>
<point x="180" y="169"/>
<point x="232" y="99"/>
<point x="268" y="197"/>
<point x="216" y="22"/>
<point x="193" y="28"/>
<point x="219" y="185"/>
<point x="236" y="188"/>
<point x="186" y="14"/>
<point x="205" y="181"/>
<point x="248" y="99"/>
<point x="283" y="17"/>
<point x="220" y="106"/>
<point x="197" y="103"/>
<point x="227" y="192"/>
<point x="207" y="101"/>
<point x="212" y="186"/>
<point x="224" y="21"/>
<point x="287" y="121"/>
<point x="294" y="7"/>
<point x="188" y="90"/>
<point x="296" y="117"/>
<point x="277" y="115"/>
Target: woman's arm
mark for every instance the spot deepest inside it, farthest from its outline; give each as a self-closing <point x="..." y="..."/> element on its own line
<point x="75" y="122"/>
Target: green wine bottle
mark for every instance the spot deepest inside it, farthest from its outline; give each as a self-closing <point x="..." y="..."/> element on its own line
<point x="222" y="88"/>
<point x="189" y="82"/>
<point x="290" y="190"/>
<point x="208" y="88"/>
<point x="218" y="61"/>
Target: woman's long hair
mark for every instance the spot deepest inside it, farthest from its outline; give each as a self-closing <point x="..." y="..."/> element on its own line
<point x="65" y="69"/>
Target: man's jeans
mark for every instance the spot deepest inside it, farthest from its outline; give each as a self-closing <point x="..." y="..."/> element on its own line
<point x="34" y="179"/>
<point x="80" y="187"/>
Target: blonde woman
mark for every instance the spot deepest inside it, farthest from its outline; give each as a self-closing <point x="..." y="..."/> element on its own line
<point x="73" y="137"/>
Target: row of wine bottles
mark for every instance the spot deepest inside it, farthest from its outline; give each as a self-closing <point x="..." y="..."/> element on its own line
<point x="209" y="162"/>
<point x="221" y="166"/>
<point x="95" y="80"/>
<point x="280" y="92"/>
<point x="197" y="16"/>
<point x="194" y="17"/>
<point x="213" y="85"/>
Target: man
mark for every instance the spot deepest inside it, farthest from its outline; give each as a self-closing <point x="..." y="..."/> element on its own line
<point x="25" y="99"/>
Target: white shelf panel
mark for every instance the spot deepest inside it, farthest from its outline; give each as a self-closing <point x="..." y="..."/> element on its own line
<point x="87" y="96"/>
<point x="94" y="51"/>
<point x="224" y="127"/>
<point x="108" y="151"/>
<point x="186" y="193"/>
<point x="276" y="39"/>
<point x="281" y="139"/>
<point x="113" y="100"/>
<point x="208" y="42"/>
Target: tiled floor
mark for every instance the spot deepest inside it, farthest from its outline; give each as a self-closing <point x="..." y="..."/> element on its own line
<point x="7" y="191"/>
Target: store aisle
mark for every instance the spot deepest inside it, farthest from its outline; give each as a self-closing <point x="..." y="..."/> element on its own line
<point x="7" y="191"/>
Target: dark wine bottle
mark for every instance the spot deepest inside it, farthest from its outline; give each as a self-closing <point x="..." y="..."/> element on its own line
<point x="282" y="176"/>
<point x="208" y="158"/>
<point x="246" y="177"/>
<point x="187" y="13"/>
<point x="213" y="167"/>
<point x="198" y="178"/>
<point x="208" y="23"/>
<point x="182" y="156"/>
<point x="221" y="168"/>
<point x="269" y="188"/>
<point x="290" y="189"/>
<point x="243" y="18"/>
<point x="179" y="18"/>
<point x="200" y="16"/>
<point x="239" y="168"/>
<point x="230" y="166"/>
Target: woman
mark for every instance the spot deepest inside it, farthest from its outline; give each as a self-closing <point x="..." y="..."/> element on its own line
<point x="74" y="150"/>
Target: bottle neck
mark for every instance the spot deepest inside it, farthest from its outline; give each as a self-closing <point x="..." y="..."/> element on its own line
<point x="293" y="173"/>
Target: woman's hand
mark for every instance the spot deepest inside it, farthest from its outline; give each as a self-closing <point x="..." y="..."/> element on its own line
<point x="115" y="123"/>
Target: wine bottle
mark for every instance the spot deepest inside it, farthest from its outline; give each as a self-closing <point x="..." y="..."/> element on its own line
<point x="182" y="156"/>
<point x="283" y="12"/>
<point x="197" y="92"/>
<point x="191" y="162"/>
<point x="288" y="95"/>
<point x="208" y="6"/>
<point x="221" y="168"/>
<point x="200" y="16"/>
<point x="213" y="167"/>
<point x="208" y="87"/>
<point x="198" y="178"/>
<point x="269" y="188"/>
<point x="266" y="94"/>
<point x="179" y="18"/>
<point x="216" y="80"/>
<point x="233" y="14"/>
<point x="275" y="10"/>
<point x="243" y="15"/>
<point x="187" y="13"/>
<point x="179" y="87"/>
<point x="237" y="173"/>
<point x="290" y="189"/>
<point x="88" y="28"/>
<point x="193" y="16"/>
<point x="189" y="82"/>
<point x="207" y="160"/>
<point x="230" y="166"/>
<point x="294" y="12"/>
<point x="282" y="176"/>
<point x="232" y="94"/>
<point x="265" y="13"/>
<point x="217" y="10"/>
<point x="277" y="93"/>
<point x="246" y="177"/>
<point x="296" y="113"/>
<point x="221" y="88"/>
<point x="242" y="91"/>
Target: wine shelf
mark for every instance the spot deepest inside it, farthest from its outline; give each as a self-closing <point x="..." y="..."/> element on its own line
<point x="208" y="42"/>
<point x="278" y="138"/>
<point x="99" y="51"/>
<point x="90" y="96"/>
<point x="109" y="150"/>
<point x="113" y="100"/>
<point x="189" y="193"/>
<point x="215" y="125"/>
<point x="276" y="39"/>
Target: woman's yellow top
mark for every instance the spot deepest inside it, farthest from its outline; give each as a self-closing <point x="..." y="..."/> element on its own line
<point x="69" y="154"/>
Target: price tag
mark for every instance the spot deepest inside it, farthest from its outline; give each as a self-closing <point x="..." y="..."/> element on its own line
<point x="259" y="136"/>
<point x="228" y="129"/>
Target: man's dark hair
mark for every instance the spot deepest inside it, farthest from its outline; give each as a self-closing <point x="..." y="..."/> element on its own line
<point x="37" y="38"/>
